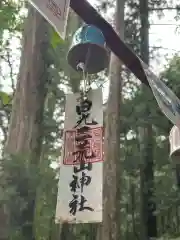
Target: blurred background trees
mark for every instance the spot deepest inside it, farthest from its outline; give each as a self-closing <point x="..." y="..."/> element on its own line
<point x="30" y="159"/>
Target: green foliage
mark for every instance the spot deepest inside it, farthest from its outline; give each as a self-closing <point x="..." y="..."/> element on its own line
<point x="46" y="201"/>
<point x="18" y="186"/>
<point x="5" y="98"/>
<point x="21" y="183"/>
<point x="172" y="74"/>
<point x="56" y="39"/>
<point x="166" y="192"/>
<point x="9" y="15"/>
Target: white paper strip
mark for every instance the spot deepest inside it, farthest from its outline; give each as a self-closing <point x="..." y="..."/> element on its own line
<point x="168" y="102"/>
<point x="174" y="139"/>
<point x="84" y="205"/>
<point x="55" y="12"/>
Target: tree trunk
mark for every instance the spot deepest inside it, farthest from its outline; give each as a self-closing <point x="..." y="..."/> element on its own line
<point x="148" y="220"/>
<point x="25" y="131"/>
<point x="66" y="232"/>
<point x="111" y="218"/>
<point x="26" y="125"/>
<point x="133" y="207"/>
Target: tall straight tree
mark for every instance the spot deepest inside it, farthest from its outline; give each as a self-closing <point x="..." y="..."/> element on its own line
<point x="26" y="125"/>
<point x="148" y="219"/>
<point x="111" y="218"/>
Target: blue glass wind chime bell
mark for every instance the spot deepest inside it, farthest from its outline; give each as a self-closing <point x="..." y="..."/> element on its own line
<point x="88" y="52"/>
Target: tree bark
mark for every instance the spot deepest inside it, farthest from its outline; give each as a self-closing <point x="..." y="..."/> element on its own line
<point x="112" y="171"/>
<point x="25" y="131"/>
<point x="26" y="124"/>
<point x="148" y="220"/>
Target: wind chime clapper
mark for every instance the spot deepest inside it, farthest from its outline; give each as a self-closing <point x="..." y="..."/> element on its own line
<point x="88" y="52"/>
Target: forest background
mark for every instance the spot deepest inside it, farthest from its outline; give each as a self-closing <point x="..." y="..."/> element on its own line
<point x="148" y="200"/>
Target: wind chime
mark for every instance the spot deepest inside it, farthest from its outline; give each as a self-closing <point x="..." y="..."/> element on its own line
<point x="88" y="52"/>
<point x="81" y="174"/>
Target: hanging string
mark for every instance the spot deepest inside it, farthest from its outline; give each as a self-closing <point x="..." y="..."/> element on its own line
<point x="86" y="77"/>
<point x="83" y="67"/>
<point x="86" y="81"/>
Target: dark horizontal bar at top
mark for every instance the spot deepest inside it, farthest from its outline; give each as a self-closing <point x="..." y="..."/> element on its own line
<point x="89" y="14"/>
